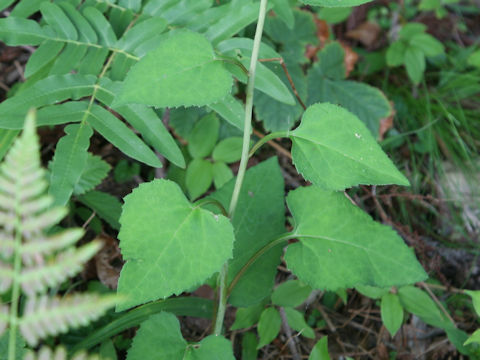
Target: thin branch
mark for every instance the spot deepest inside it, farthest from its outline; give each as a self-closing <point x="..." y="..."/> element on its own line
<point x="291" y="340"/>
<point x="439" y="304"/>
<point x="284" y="67"/>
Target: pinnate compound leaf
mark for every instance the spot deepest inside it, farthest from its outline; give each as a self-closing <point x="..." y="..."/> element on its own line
<point x="284" y="11"/>
<point x="7" y="137"/>
<point x="291" y="293"/>
<point x="320" y="350"/>
<point x="341" y="246"/>
<point x="199" y="177"/>
<point x="296" y="320"/>
<point x="221" y="174"/>
<point x="475" y="295"/>
<point x="238" y="15"/>
<point x="294" y="39"/>
<point x="69" y="161"/>
<point x="94" y="172"/>
<point x="160" y="338"/>
<point x="45" y="92"/>
<point x="474" y="338"/>
<point x="203" y="137"/>
<point x="60" y="314"/>
<point x="45" y="261"/>
<point x="335" y="3"/>
<point x="418" y="302"/>
<point x="116" y="132"/>
<point x="428" y="44"/>
<point x="392" y="312"/>
<point x="186" y="244"/>
<point x="20" y="346"/>
<point x="268" y="109"/>
<point x="333" y="148"/>
<point x="228" y="150"/>
<point x="249" y="346"/>
<point x="266" y="81"/>
<point x="371" y="291"/>
<point x="246" y="317"/>
<point x="326" y="83"/>
<point x="268" y="326"/>
<point x="143" y="119"/>
<point x="17" y="31"/>
<point x="415" y="63"/>
<point x="231" y="110"/>
<point x="182" y="70"/>
<point x="396" y="53"/>
<point x="105" y="205"/>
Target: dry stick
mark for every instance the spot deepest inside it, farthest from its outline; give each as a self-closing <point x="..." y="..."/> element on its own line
<point x="445" y="288"/>
<point x="440" y="305"/>
<point x="284" y="67"/>
<point x="330" y="325"/>
<point x="291" y="340"/>
<point x="84" y="226"/>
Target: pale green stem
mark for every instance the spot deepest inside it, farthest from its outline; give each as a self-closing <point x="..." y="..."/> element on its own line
<point x="267" y="138"/>
<point x="17" y="264"/>
<point x="247" y="129"/>
<point x="222" y="303"/>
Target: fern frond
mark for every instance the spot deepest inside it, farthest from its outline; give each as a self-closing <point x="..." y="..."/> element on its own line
<point x="58" y="354"/>
<point x="46" y="354"/>
<point x="47" y="91"/>
<point x="95" y="171"/>
<point x="42" y="221"/>
<point x="44" y="246"/>
<point x="6" y="276"/>
<point x="39" y="277"/>
<point x="30" y="259"/>
<point x="6" y="241"/>
<point x="44" y="316"/>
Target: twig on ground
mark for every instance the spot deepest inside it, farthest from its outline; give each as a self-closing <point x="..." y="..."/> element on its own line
<point x="291" y="339"/>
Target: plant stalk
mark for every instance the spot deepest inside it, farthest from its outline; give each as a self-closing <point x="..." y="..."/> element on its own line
<point x="267" y="138"/>
<point x="247" y="129"/>
<point x="17" y="264"/>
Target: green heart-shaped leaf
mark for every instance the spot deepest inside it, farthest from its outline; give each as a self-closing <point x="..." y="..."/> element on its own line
<point x="333" y="148"/>
<point x="169" y="244"/>
<point x="341" y="246"/>
<point x="160" y="338"/>
<point x="182" y="70"/>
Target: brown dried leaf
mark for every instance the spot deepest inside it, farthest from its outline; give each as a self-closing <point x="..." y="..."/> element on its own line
<point x="386" y="123"/>
<point x="109" y="262"/>
<point x="351" y="58"/>
<point x="367" y="33"/>
<point x="311" y="52"/>
<point x="323" y="30"/>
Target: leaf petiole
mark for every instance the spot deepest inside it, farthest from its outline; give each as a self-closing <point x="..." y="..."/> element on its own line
<point x="278" y="240"/>
<point x="208" y="201"/>
<point x="232" y="60"/>
<point x="267" y="138"/>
